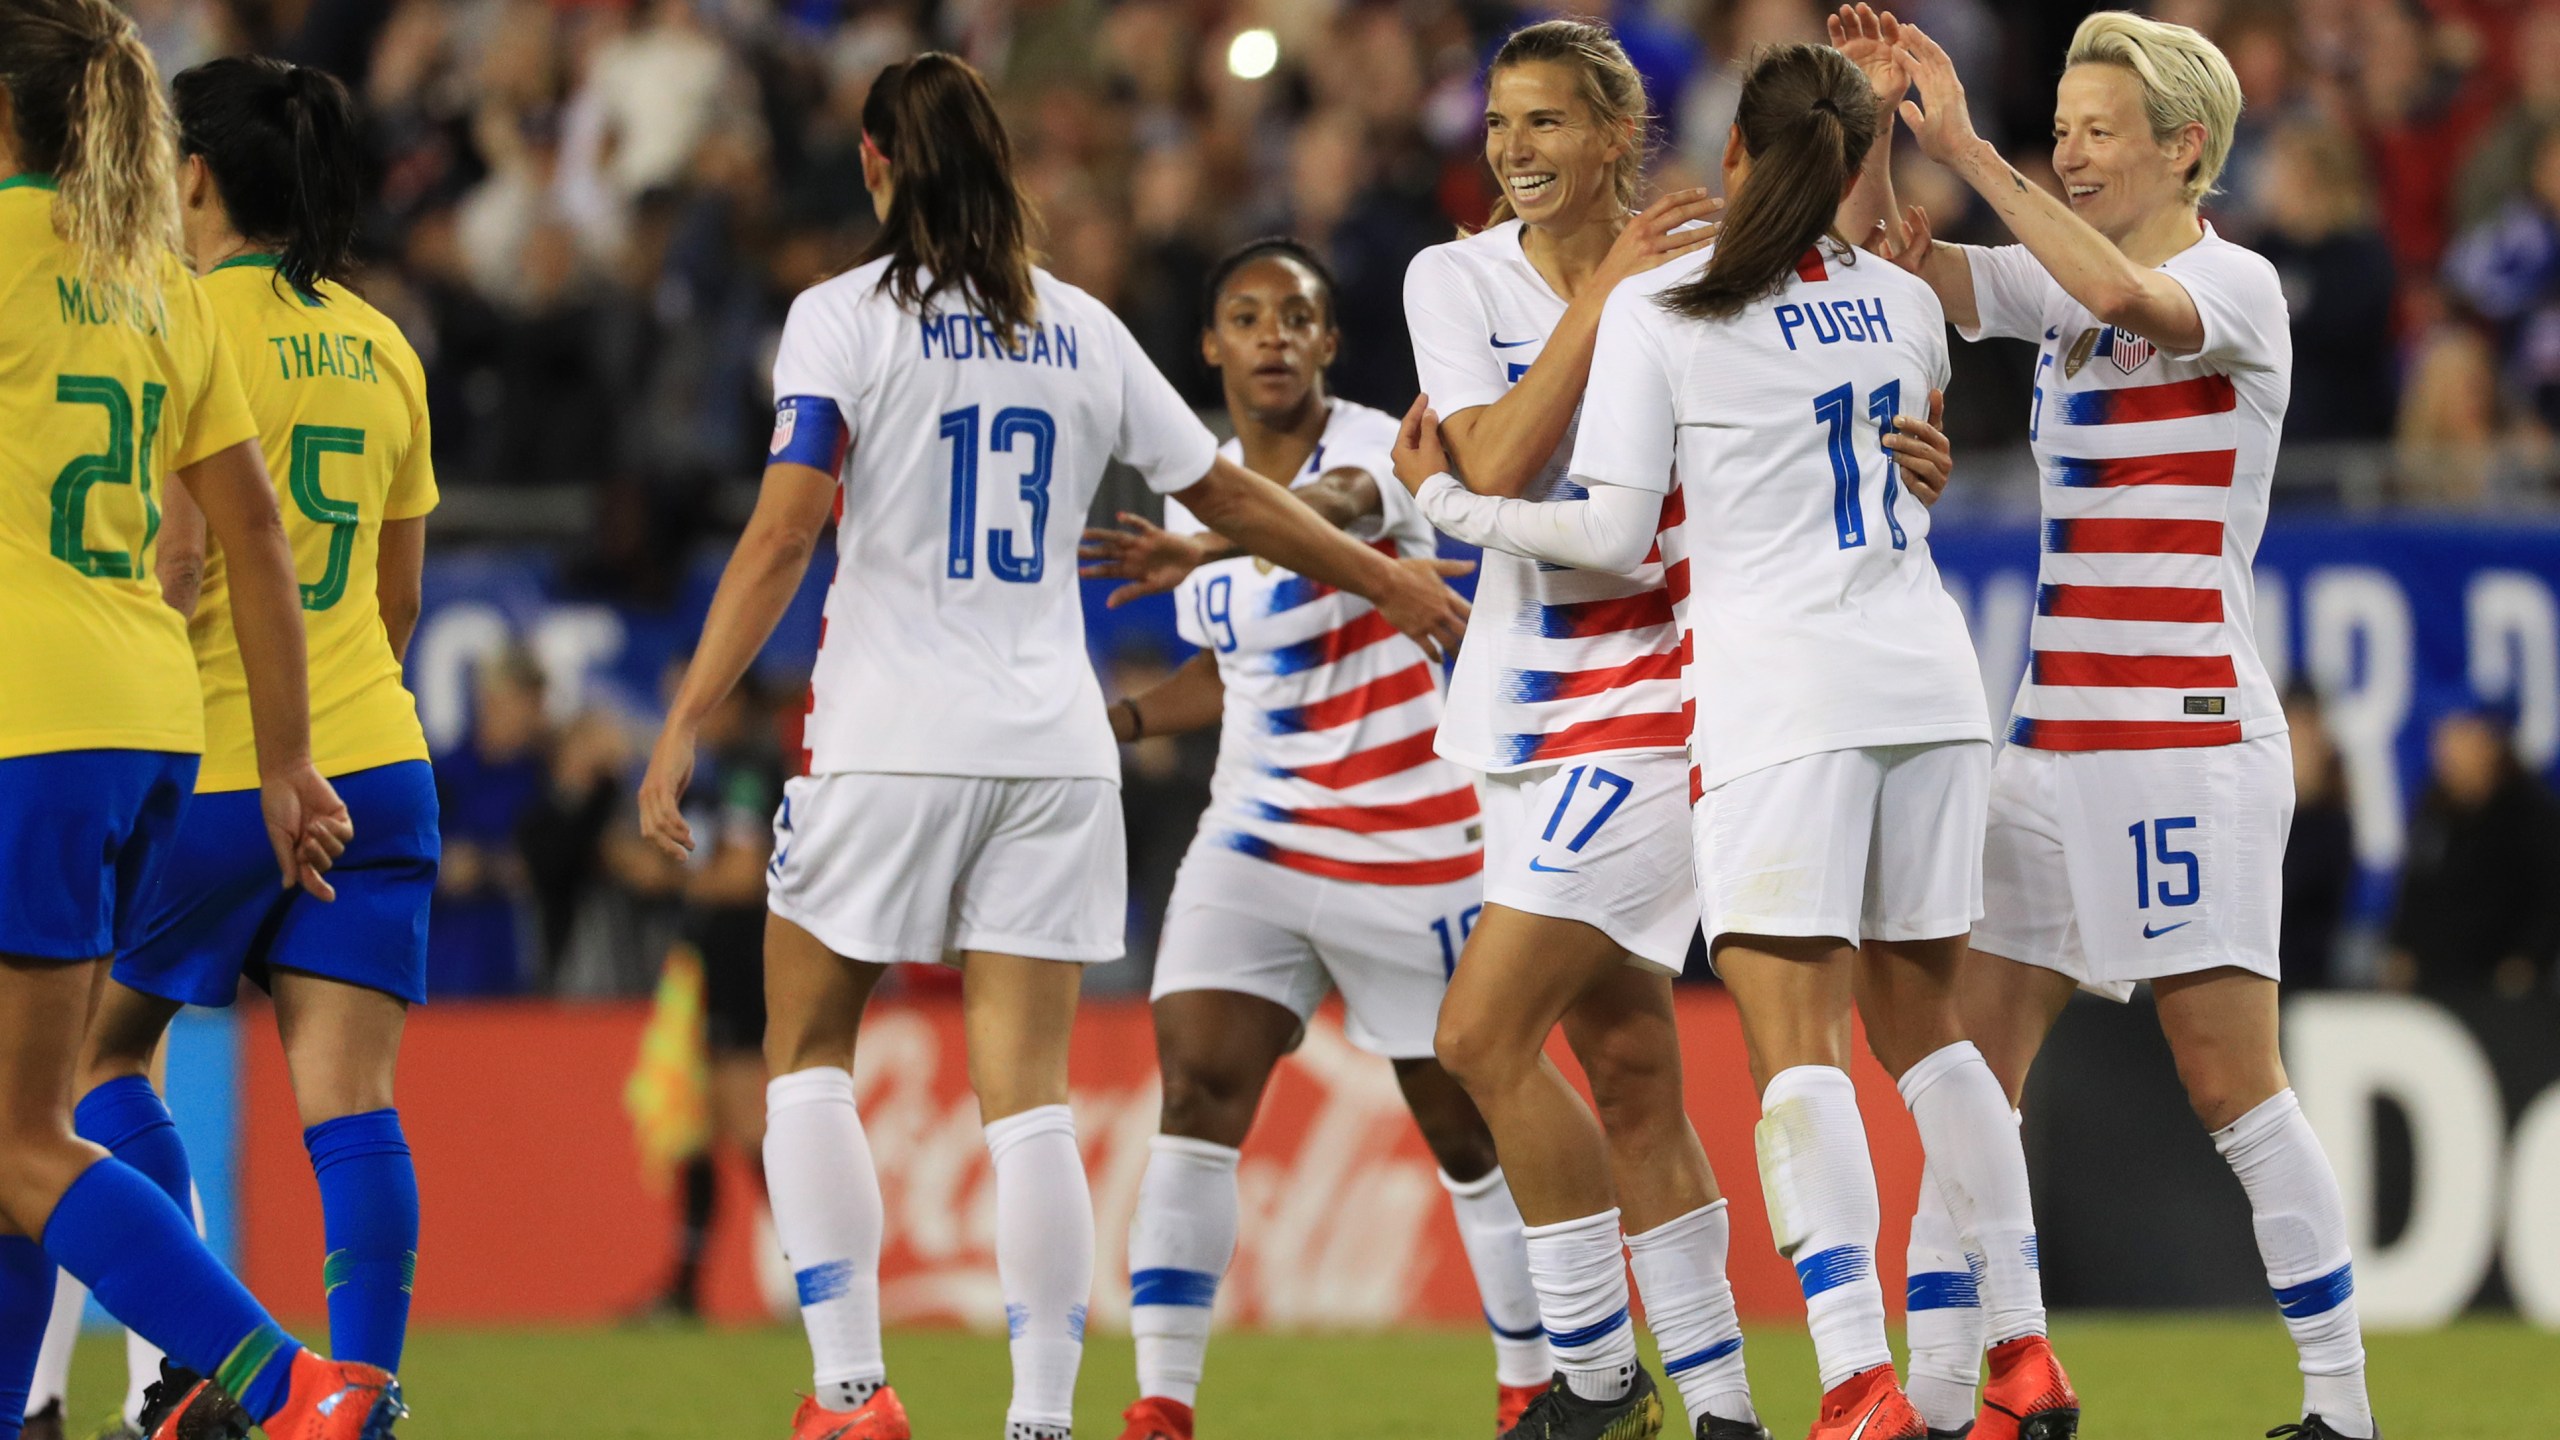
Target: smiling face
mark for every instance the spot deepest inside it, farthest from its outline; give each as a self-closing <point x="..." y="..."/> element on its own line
<point x="1270" y="337"/>
<point x="2114" y="174"/>
<point x="1551" y="155"/>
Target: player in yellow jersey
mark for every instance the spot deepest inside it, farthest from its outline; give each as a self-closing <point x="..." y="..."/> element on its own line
<point x="113" y="381"/>
<point x="269" y="195"/>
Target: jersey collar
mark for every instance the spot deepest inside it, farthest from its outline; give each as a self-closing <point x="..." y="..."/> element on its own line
<point x="28" y="180"/>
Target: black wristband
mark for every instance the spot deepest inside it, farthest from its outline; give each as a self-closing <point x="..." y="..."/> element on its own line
<point x="1137" y="722"/>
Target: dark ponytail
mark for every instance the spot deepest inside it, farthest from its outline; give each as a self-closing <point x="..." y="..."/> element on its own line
<point x="282" y="145"/>
<point x="1807" y="118"/>
<point x="957" y="219"/>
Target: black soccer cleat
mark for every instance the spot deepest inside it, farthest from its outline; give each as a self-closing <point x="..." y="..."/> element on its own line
<point x="181" y="1405"/>
<point x="1959" y="1433"/>
<point x="1716" y="1427"/>
<point x="2312" y="1427"/>
<point x="1560" y="1414"/>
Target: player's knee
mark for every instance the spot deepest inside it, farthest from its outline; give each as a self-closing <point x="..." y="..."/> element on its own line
<point x="1471" y="1049"/>
<point x="1208" y="1102"/>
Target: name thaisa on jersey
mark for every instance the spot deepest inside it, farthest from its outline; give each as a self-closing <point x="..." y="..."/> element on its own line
<point x="967" y="336"/>
<point x="1833" y="322"/>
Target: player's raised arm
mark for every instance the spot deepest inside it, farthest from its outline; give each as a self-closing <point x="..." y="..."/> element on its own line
<point x="756" y="586"/>
<point x="2117" y="288"/>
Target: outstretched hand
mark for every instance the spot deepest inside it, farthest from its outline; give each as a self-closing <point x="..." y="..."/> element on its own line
<point x="1151" y="558"/>
<point x="1872" y="40"/>
<point x="1910" y="248"/>
<point x="1655" y="237"/>
<point x="1939" y="118"/>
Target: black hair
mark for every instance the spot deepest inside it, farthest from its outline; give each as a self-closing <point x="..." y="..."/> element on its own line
<point x="282" y="143"/>
<point x="1807" y="117"/>
<point x="1265" y="248"/>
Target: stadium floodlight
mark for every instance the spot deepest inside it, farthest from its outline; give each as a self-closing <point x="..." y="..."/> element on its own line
<point x="1253" y="54"/>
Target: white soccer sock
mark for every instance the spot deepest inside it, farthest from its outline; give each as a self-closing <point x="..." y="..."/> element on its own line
<point x="1580" y="1270"/>
<point x="2302" y="1237"/>
<point x="1688" y="1304"/>
<point x="1181" y="1239"/>
<point x="1942" y="1313"/>
<point x="1971" y="1136"/>
<point x="827" y="1211"/>
<point x="1821" y="1187"/>
<point x="1044" y="1259"/>
<point x="61" y="1333"/>
<point x="1489" y="1226"/>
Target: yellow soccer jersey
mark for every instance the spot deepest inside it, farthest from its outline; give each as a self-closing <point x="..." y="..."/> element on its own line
<point x="341" y="406"/>
<point x="104" y="391"/>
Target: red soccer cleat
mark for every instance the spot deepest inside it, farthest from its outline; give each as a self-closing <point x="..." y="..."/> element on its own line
<point x="331" y="1400"/>
<point x="1868" y="1406"/>
<point x="1156" y="1418"/>
<point x="2028" y="1397"/>
<point x="1513" y="1402"/>
<point x="881" y="1417"/>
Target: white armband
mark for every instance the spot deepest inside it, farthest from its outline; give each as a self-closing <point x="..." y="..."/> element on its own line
<point x="1610" y="531"/>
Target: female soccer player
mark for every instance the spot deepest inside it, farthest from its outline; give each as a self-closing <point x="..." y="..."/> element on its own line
<point x="270" y="195"/>
<point x="2139" y="812"/>
<point x="113" y="374"/>
<point x="1338" y="851"/>
<point x="1570" y="706"/>
<point x="1843" y="750"/>
<point x="961" y="795"/>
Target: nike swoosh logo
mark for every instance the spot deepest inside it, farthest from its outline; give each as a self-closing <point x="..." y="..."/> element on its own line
<point x="2150" y="934"/>
<point x="1501" y="344"/>
<point x="2052" y="334"/>
<point x="1551" y="869"/>
<point x="1867" y="1419"/>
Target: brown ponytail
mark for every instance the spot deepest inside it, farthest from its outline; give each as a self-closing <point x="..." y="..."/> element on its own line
<point x="1608" y="83"/>
<point x="87" y="109"/>
<point x="1807" y="118"/>
<point x="957" y="218"/>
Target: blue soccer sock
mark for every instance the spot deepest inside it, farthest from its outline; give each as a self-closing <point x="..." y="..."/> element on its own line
<point x="26" y="1304"/>
<point x="128" y="1117"/>
<point x="369" y="1205"/>
<point x="138" y="1253"/>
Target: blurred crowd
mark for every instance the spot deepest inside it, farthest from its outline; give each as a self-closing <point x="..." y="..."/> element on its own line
<point x="592" y="214"/>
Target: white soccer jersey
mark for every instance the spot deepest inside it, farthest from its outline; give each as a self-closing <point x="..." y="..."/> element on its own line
<point x="954" y="632"/>
<point x="1558" y="662"/>
<point x="2155" y="470"/>
<point x="1819" y="622"/>
<point x="1325" y="760"/>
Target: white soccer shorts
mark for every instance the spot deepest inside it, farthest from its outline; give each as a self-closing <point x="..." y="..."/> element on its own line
<point x="1604" y="841"/>
<point x="1880" y="843"/>
<point x="922" y="867"/>
<point x="2115" y="866"/>
<point x="1241" y="924"/>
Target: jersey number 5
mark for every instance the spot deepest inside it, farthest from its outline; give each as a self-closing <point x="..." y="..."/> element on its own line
<point x="125" y="461"/>
<point x="1012" y="424"/>
<point x="302" y="477"/>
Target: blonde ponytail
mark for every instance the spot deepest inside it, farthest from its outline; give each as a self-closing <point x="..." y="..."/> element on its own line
<point x="89" y="111"/>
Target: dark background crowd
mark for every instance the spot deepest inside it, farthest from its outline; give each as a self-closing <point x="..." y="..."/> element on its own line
<point x="591" y="216"/>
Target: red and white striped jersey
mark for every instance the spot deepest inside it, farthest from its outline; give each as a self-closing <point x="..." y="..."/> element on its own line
<point x="1558" y="662"/>
<point x="2155" y="471"/>
<point x="1325" y="760"/>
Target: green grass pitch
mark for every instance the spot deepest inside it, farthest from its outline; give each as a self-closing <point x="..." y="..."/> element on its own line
<point x="2146" y="1378"/>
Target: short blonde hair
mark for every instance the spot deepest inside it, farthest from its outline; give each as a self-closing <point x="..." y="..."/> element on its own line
<point x="2185" y="79"/>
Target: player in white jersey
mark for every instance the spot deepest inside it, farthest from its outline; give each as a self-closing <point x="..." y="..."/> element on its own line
<point x="1568" y="701"/>
<point x="1843" y="748"/>
<point x="1338" y="852"/>
<point x="962" y="794"/>
<point x="2140" y="810"/>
